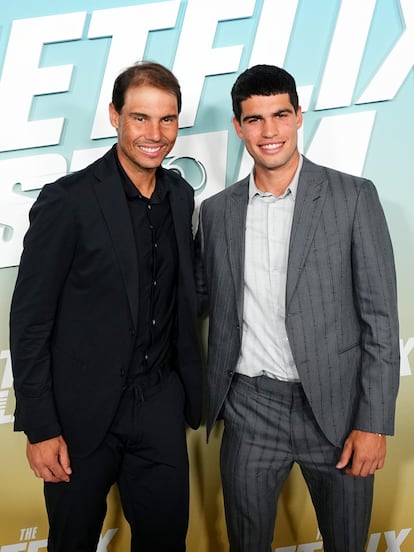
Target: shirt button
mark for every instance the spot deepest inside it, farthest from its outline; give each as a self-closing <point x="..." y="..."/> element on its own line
<point x="153" y="322"/>
<point x="149" y="207"/>
<point x="155" y="282"/>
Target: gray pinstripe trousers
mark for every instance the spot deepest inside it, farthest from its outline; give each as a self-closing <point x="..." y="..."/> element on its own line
<point x="269" y="425"/>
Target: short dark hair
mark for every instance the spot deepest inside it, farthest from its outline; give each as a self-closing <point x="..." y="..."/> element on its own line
<point x="144" y="73"/>
<point x="263" y="80"/>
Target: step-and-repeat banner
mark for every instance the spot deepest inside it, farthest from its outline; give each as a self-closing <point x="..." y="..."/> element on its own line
<point x="353" y="63"/>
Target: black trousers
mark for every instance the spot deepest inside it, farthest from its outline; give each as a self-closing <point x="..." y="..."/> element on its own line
<point x="145" y="453"/>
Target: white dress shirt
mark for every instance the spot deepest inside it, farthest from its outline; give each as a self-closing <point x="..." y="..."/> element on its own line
<point x="265" y="348"/>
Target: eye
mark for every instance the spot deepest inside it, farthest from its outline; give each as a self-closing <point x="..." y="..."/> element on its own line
<point x="168" y="120"/>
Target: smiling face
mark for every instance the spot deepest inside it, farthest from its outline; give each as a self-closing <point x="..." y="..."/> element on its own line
<point x="269" y="127"/>
<point x="147" y="128"/>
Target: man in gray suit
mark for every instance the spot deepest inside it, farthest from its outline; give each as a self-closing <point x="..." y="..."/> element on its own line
<point x="295" y="267"/>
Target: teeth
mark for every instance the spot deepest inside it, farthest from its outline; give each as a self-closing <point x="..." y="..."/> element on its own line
<point x="150" y="150"/>
<point x="271" y="146"/>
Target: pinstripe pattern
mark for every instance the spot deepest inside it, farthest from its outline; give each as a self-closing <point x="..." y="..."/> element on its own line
<point x="342" y="325"/>
<point x="341" y="307"/>
<point x="268" y="426"/>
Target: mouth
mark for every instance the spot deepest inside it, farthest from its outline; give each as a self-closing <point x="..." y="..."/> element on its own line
<point x="151" y="150"/>
<point x="271" y="148"/>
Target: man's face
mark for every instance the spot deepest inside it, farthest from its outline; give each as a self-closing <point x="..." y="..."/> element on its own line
<point x="269" y="126"/>
<point x="147" y="127"/>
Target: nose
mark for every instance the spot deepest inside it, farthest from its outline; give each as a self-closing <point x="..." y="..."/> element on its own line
<point x="270" y="128"/>
<point x="154" y="131"/>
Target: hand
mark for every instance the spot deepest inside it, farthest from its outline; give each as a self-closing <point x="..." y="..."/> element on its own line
<point x="363" y="453"/>
<point x="50" y="459"/>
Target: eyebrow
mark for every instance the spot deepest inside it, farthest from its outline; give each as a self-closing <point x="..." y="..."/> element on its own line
<point x="274" y="114"/>
<point x="139" y="114"/>
<point x="251" y="116"/>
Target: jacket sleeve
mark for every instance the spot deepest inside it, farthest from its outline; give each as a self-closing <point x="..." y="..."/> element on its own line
<point x="46" y="259"/>
<point x="376" y="299"/>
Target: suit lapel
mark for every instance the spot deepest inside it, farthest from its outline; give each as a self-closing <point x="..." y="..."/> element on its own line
<point x="111" y="198"/>
<point x="310" y="197"/>
<point x="235" y="223"/>
<point x="178" y="205"/>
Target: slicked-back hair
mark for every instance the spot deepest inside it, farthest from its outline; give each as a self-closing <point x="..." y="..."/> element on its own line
<point x="263" y="80"/>
<point x="145" y="73"/>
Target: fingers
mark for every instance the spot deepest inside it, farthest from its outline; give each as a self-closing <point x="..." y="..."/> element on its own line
<point x="345" y="456"/>
<point x="51" y="474"/>
<point x="65" y="460"/>
<point x="49" y="460"/>
<point x="368" y="452"/>
<point x="362" y="468"/>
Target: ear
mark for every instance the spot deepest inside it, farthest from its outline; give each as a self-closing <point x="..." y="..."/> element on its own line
<point x="113" y="116"/>
<point x="299" y="118"/>
<point x="238" y="128"/>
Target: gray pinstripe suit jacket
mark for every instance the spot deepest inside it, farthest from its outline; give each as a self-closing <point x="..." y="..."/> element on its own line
<point x="341" y="303"/>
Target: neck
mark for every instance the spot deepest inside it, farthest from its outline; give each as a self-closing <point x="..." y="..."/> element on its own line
<point x="145" y="187"/>
<point x="277" y="180"/>
<point x="144" y="182"/>
<point x="143" y="179"/>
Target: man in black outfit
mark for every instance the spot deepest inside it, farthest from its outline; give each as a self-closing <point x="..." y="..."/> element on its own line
<point x="103" y="330"/>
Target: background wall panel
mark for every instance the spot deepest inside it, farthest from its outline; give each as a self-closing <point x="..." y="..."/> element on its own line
<point x="353" y="65"/>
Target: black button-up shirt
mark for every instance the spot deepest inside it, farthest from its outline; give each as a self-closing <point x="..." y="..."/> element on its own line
<point x="157" y="257"/>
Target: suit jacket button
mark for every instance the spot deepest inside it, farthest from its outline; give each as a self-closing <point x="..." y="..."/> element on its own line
<point x="230" y="373"/>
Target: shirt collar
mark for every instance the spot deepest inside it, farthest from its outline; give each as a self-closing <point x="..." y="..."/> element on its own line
<point x="131" y="192"/>
<point x="292" y="188"/>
